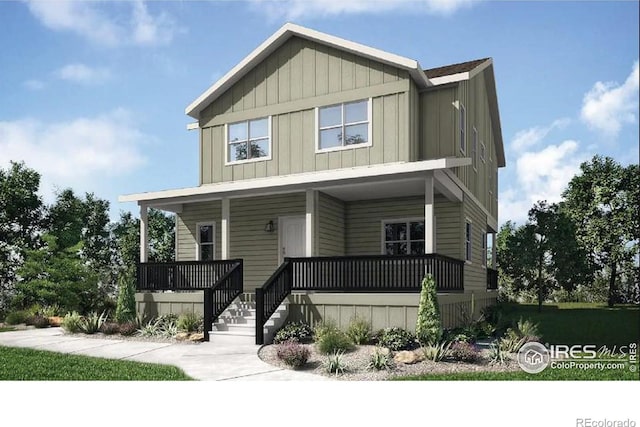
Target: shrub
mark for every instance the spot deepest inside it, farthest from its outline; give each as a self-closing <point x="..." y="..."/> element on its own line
<point x="528" y="330"/>
<point x="110" y="328"/>
<point x="323" y="328"/>
<point x="151" y="329"/>
<point x="293" y="354"/>
<point x="168" y="330"/>
<point x="396" y="339"/>
<point x="126" y="304"/>
<point x="496" y="355"/>
<point x="50" y="310"/>
<point x="333" y="341"/>
<point x="379" y="360"/>
<point x="128" y="328"/>
<point x="464" y="352"/>
<point x="92" y="323"/>
<point x="511" y="341"/>
<point x="71" y="322"/>
<point x="16" y="317"/>
<point x="436" y="352"/>
<point x="298" y="332"/>
<point x="428" y="325"/>
<point x="335" y="363"/>
<point x="40" y="321"/>
<point x="359" y="331"/>
<point x="189" y="322"/>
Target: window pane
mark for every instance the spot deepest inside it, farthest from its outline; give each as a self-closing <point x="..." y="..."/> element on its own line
<point x="237" y="151"/>
<point x="331" y="116"/>
<point x="396" y="249"/>
<point x="259" y="128"/>
<point x="331" y="138"/>
<point x="417" y="231"/>
<point x="357" y="134"/>
<point x="206" y="253"/>
<point x="206" y="234"/>
<point x="417" y="248"/>
<point x="259" y="148"/>
<point x="395" y="231"/>
<point x="356" y="112"/>
<point x="238" y="132"/>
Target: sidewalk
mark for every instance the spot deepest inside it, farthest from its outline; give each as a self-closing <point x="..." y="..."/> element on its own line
<point x="202" y="361"/>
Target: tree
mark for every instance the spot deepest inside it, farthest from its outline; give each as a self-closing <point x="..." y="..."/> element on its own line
<point x="126" y="306"/>
<point x="603" y="202"/>
<point x="428" y="324"/>
<point x="543" y="254"/>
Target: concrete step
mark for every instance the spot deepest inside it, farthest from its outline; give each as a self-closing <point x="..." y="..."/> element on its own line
<point x="225" y="337"/>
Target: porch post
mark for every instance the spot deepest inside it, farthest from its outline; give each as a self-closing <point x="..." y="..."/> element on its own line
<point x="144" y="234"/>
<point x="226" y="217"/>
<point x="429" y="229"/>
<point x="309" y="223"/>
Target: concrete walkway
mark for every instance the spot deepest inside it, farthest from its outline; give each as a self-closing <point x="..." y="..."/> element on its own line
<point x="203" y="361"/>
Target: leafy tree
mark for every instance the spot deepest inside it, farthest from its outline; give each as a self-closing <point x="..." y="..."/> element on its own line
<point x="126" y="306"/>
<point x="603" y="202"/>
<point x="428" y="325"/>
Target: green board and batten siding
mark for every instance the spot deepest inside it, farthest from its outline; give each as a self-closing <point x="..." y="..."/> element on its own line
<point x="287" y="86"/>
<point x="475" y="274"/>
<point x="186" y="222"/>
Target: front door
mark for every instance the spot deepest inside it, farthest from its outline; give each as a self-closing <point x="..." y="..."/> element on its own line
<point x="291" y="237"/>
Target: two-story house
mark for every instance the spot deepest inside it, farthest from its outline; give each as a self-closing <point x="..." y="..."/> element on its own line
<point x="332" y="176"/>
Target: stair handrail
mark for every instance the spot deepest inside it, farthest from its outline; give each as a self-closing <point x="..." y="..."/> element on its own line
<point x="219" y="296"/>
<point x="270" y="295"/>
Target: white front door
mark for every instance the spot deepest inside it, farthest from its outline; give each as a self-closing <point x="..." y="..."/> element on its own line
<point x="291" y="236"/>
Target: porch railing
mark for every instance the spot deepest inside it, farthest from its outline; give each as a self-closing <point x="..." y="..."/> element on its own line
<point x="221" y="295"/>
<point x="181" y="275"/>
<point x="368" y="273"/>
<point x="492" y="279"/>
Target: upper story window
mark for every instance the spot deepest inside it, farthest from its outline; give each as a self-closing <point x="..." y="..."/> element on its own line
<point x="344" y="125"/>
<point x="249" y="140"/>
<point x="403" y="238"/>
<point x="463" y="129"/>
<point x="474" y="150"/>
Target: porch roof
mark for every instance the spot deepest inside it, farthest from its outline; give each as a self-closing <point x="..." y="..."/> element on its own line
<point x="172" y="200"/>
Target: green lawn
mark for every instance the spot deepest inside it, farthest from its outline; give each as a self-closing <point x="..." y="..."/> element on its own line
<point x="36" y="365"/>
<point x="581" y="323"/>
<point x="7" y="328"/>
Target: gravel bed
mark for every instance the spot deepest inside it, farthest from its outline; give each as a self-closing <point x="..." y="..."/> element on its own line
<point x="356" y="363"/>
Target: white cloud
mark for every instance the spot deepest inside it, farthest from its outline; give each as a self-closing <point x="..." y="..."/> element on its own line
<point x="80" y="73"/>
<point x="293" y="9"/>
<point x="34" y="84"/>
<point x="77" y="153"/>
<point x="609" y="105"/>
<point x="90" y="20"/>
<point x="531" y="137"/>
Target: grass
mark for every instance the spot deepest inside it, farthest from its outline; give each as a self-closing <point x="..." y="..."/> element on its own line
<point x="581" y="323"/>
<point x="37" y="365"/>
<point x="7" y="328"/>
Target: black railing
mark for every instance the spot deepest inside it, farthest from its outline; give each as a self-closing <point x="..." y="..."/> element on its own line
<point x="223" y="292"/>
<point x="182" y="275"/>
<point x="271" y="295"/>
<point x="368" y="273"/>
<point x="492" y="279"/>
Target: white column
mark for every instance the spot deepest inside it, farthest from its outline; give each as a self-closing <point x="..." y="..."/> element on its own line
<point x="225" y="231"/>
<point x="144" y="234"/>
<point x="309" y="223"/>
<point x="429" y="228"/>
<point x="494" y="252"/>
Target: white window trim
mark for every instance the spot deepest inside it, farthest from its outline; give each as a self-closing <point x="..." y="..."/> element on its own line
<point x="257" y="159"/>
<point x="462" y="131"/>
<point x="484" y="249"/>
<point x="198" y="225"/>
<point x="369" y="142"/>
<point x="474" y="150"/>
<point x="384" y="222"/>
<point x="464" y="235"/>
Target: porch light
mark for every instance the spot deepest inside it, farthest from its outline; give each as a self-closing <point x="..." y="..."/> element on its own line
<point x="269" y="227"/>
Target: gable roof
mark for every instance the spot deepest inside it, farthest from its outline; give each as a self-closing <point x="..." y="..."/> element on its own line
<point x="287" y="31"/>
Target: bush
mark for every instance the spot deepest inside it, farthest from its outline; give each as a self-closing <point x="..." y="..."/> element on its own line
<point x="151" y="329"/>
<point x="298" y="332"/>
<point x="71" y="322"/>
<point x="464" y="352"/>
<point x="379" y="360"/>
<point x="528" y="330"/>
<point x="335" y="363"/>
<point x="333" y="341"/>
<point x="359" y="331"/>
<point x="128" y="328"/>
<point x="126" y="304"/>
<point x="511" y="341"/>
<point x="293" y="354"/>
<point x="16" y="317"/>
<point x="428" y="325"/>
<point x="50" y="310"/>
<point x="92" y="323"/>
<point x="323" y="328"/>
<point x="396" y="339"/>
<point x="496" y="355"/>
<point x="40" y="321"/>
<point x="110" y="328"/>
<point x="437" y="352"/>
<point x="189" y="322"/>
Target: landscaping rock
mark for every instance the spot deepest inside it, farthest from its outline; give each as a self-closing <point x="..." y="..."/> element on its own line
<point x="419" y="355"/>
<point x="182" y="336"/>
<point x="406" y="357"/>
<point x="55" y="320"/>
<point x="196" y="337"/>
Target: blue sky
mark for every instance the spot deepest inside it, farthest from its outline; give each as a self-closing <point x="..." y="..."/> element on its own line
<point x="92" y="94"/>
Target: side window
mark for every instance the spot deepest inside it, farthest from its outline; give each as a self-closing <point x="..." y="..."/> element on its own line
<point x="205" y="247"/>
<point x="467" y="241"/>
<point x="403" y="238"/>
<point x="463" y="129"/>
<point x="474" y="150"/>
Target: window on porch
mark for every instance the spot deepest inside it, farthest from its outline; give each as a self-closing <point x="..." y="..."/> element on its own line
<point x="467" y="241"/>
<point x="403" y="238"/>
<point x="206" y="242"/>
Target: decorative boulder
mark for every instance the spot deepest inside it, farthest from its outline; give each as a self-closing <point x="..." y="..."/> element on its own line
<point x="182" y="336"/>
<point x="196" y="337"/>
<point x="406" y="357"/>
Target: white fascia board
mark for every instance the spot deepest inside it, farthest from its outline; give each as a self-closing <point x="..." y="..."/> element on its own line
<point x="193" y="126"/>
<point x="308" y="179"/>
<point x="480" y="68"/>
<point x="451" y="78"/>
<point x="283" y="34"/>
